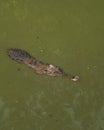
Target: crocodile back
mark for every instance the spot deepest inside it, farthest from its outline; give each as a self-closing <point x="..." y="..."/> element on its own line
<point x="18" y="54"/>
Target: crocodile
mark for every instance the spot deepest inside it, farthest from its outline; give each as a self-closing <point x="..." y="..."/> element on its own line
<point x="38" y="66"/>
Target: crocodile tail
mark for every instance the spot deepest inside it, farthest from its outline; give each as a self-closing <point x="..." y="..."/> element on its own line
<point x="18" y="55"/>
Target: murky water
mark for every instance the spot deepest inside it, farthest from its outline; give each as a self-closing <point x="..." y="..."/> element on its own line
<point x="69" y="34"/>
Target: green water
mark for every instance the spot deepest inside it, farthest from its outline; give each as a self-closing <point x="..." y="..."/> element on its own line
<point x="67" y="33"/>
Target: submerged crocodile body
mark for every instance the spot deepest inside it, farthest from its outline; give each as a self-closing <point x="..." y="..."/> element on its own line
<point x="24" y="57"/>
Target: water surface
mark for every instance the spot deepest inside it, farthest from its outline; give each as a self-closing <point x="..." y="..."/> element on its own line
<point x="69" y="34"/>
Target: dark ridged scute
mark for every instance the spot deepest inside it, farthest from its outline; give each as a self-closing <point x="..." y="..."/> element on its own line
<point x="18" y="54"/>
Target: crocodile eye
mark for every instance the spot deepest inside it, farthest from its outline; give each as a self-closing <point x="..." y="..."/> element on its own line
<point x="45" y="71"/>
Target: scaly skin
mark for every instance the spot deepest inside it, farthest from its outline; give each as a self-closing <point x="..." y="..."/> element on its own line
<point x="24" y="57"/>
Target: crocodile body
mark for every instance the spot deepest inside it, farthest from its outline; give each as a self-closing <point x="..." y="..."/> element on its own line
<point x="24" y="57"/>
<point x="39" y="67"/>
